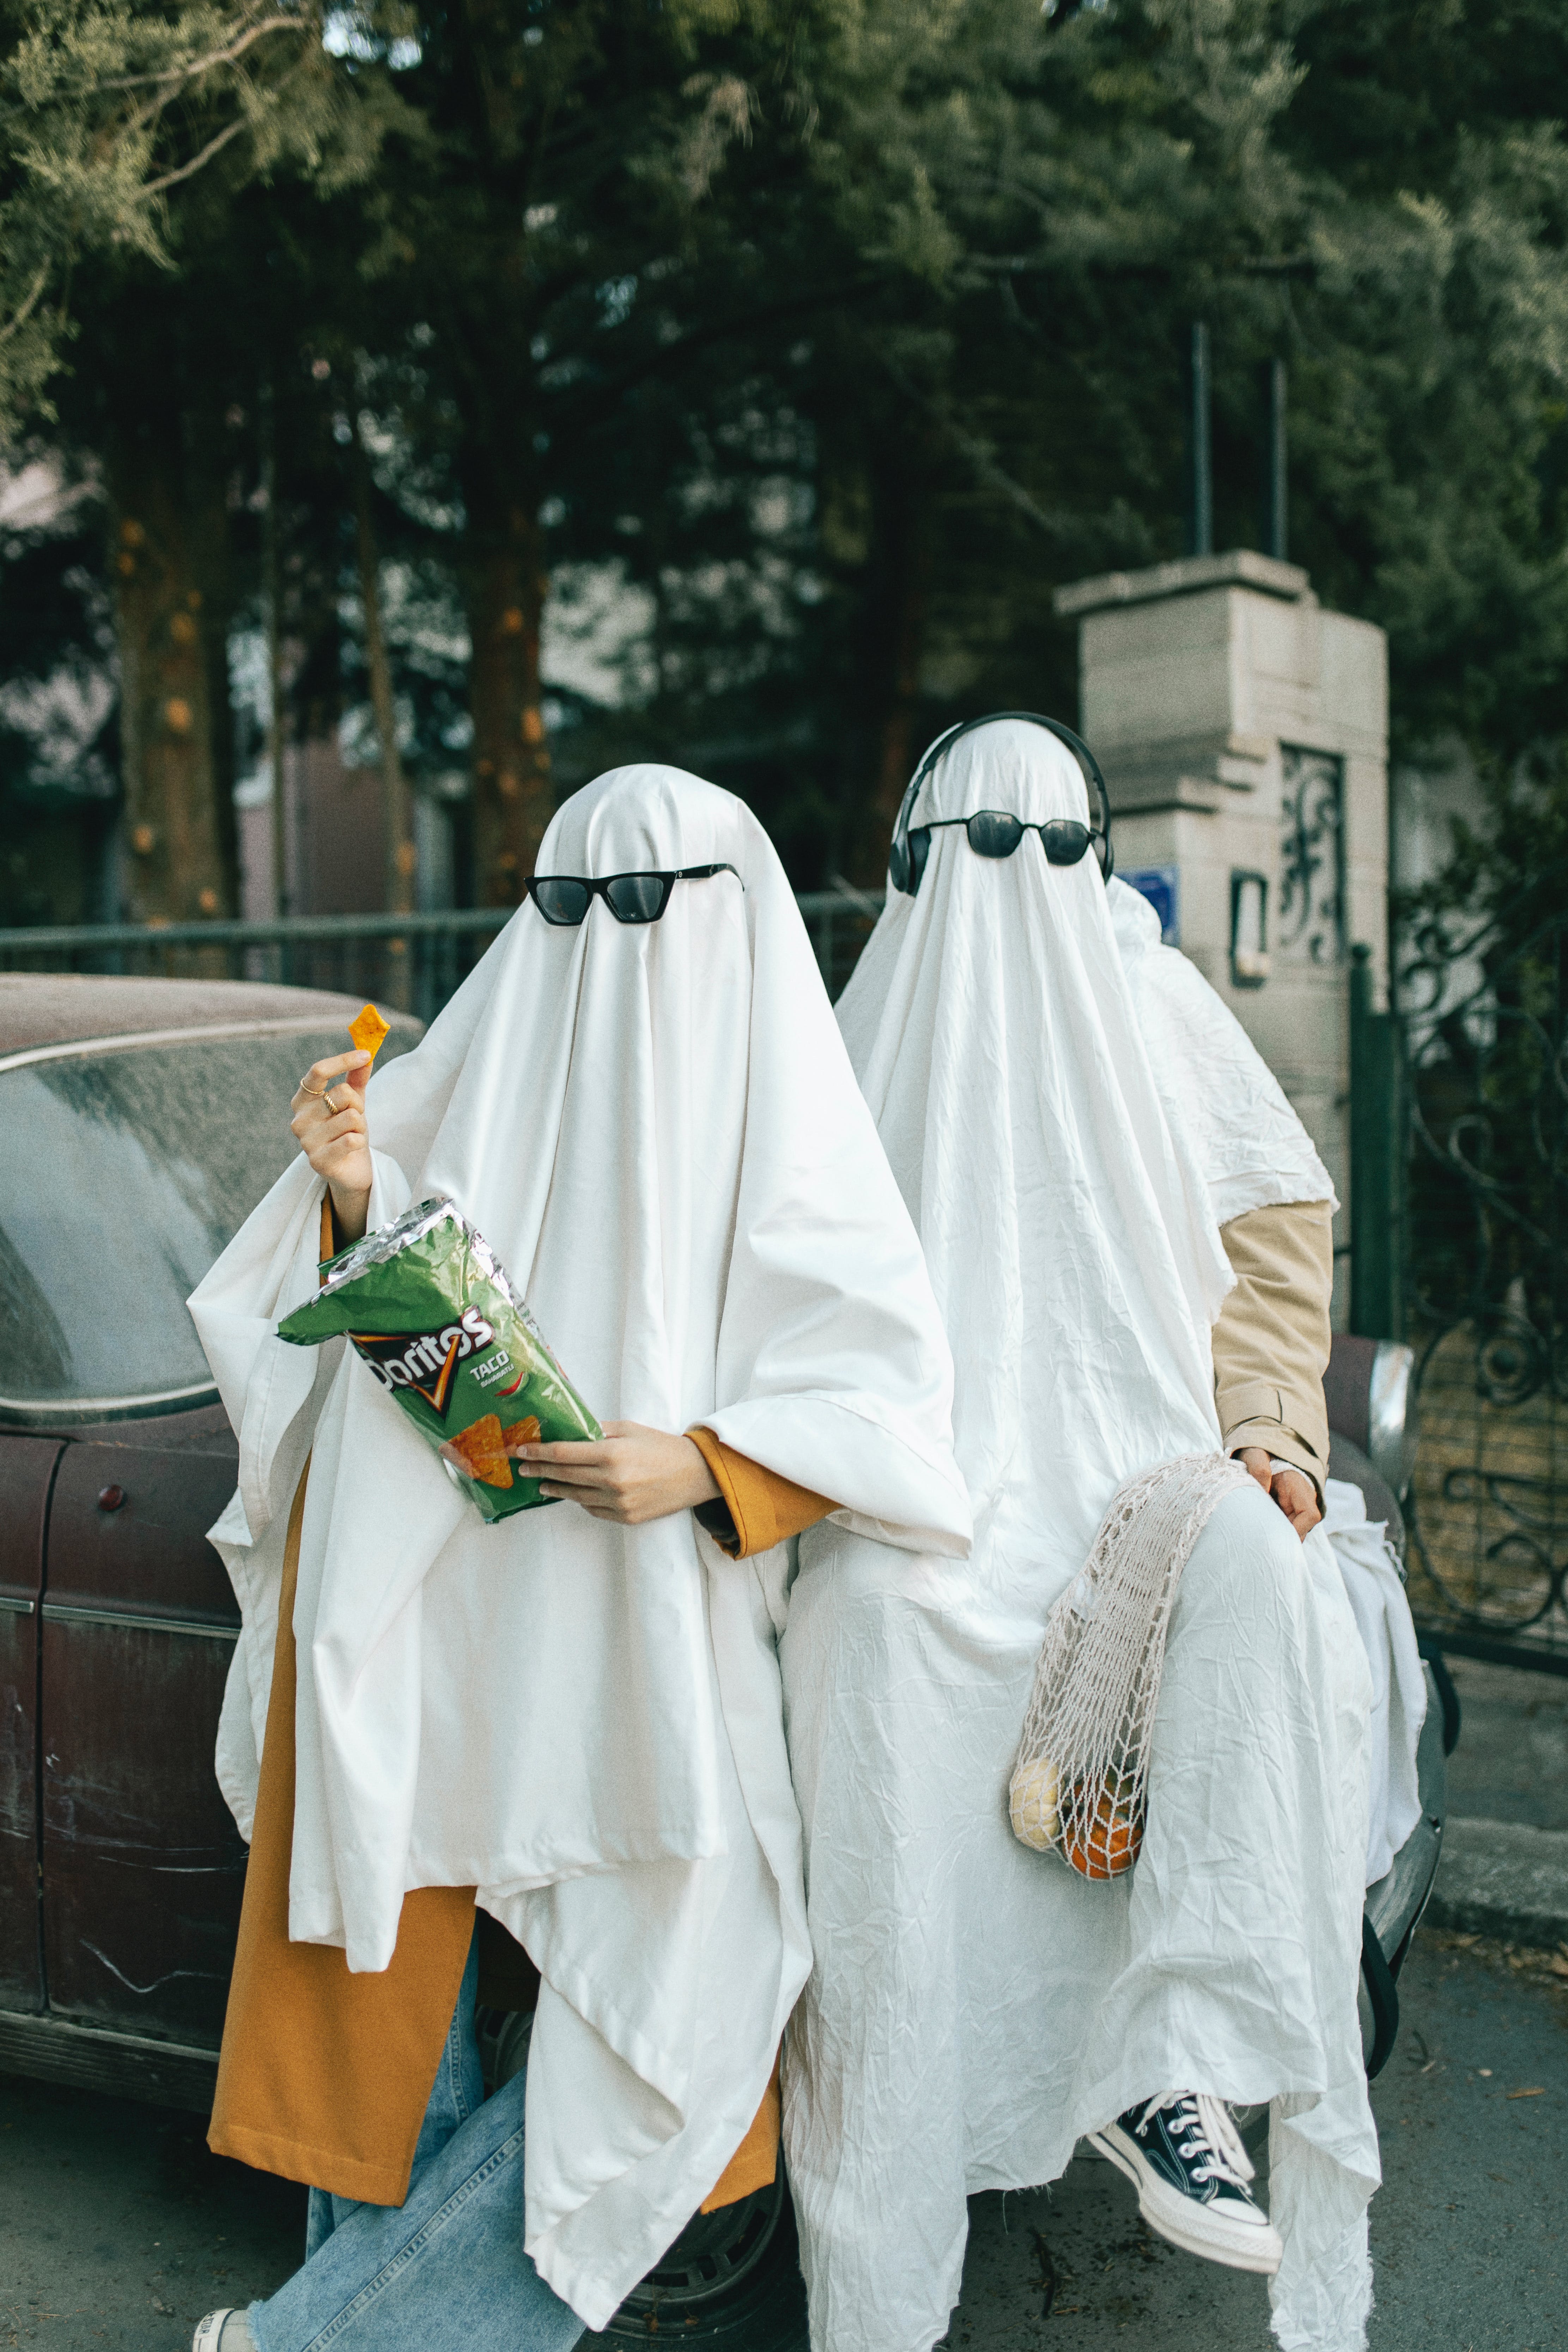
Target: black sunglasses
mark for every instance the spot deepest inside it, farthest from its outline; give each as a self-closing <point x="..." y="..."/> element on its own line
<point x="911" y="845"/>
<point x="565" y="899"/>
<point x="994" y="834"/>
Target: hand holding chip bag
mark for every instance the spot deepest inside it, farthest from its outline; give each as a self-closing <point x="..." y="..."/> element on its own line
<point x="430" y="1312"/>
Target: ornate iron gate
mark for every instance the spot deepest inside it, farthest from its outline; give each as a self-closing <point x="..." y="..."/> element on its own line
<point x="1460" y="1106"/>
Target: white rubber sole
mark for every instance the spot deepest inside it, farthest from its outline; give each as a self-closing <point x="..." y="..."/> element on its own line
<point x="1197" y="2228"/>
<point x="208" y="2337"/>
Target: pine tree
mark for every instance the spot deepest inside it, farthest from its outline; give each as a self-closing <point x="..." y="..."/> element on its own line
<point x="554" y="180"/>
<point x="844" y="329"/>
<point x="107" y="108"/>
<point x="127" y="134"/>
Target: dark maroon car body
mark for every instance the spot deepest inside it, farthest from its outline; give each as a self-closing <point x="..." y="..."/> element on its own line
<point x="121" y="1868"/>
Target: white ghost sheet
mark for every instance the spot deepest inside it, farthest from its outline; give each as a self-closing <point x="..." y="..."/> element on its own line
<point x="1375" y="1592"/>
<point x="657" y="1130"/>
<point x="975" y="2008"/>
<point x="1212" y="1080"/>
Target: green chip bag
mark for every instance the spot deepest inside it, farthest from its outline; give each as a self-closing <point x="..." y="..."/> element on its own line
<point x="429" y="1310"/>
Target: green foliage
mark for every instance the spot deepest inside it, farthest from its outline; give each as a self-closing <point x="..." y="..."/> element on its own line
<point x="107" y="110"/>
<point x="1506" y="874"/>
<point x="985" y="241"/>
<point x="1093" y="191"/>
<point x="839" y="331"/>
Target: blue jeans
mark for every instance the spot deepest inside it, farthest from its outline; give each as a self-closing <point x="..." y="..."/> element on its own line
<point x="444" y="2272"/>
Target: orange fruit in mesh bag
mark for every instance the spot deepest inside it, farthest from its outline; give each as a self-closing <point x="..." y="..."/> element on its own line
<point x="1102" y="1841"/>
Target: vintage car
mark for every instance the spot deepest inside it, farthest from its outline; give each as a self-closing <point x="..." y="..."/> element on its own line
<point x="139" y="1122"/>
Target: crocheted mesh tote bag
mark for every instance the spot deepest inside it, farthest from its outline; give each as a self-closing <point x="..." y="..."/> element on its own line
<point x="1081" y="1774"/>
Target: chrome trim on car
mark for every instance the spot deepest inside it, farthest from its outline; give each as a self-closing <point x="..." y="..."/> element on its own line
<point x="132" y="1038"/>
<point x="68" y="1613"/>
<point x="16" y="1607"/>
<point x="1391" y="1433"/>
<point x="14" y="1413"/>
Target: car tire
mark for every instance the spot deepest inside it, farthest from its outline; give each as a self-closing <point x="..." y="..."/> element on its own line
<point x="731" y="2283"/>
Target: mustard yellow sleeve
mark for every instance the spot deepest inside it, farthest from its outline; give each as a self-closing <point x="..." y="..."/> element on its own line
<point x="755" y="2162"/>
<point x="763" y="1507"/>
<point x="1271" y="1341"/>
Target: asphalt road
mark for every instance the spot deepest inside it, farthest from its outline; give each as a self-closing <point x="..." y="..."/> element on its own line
<point x="117" y="2229"/>
<point x="1511" y="1762"/>
<point x="1467" y="2233"/>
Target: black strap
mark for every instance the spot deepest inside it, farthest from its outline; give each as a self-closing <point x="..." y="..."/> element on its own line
<point x="1383" y="1995"/>
<point x="900" y="865"/>
<point x="1453" y="1715"/>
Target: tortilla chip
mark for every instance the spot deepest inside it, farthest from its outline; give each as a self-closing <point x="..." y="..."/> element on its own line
<point x="524" y="1432"/>
<point x="479" y="1450"/>
<point x="369" y="1032"/>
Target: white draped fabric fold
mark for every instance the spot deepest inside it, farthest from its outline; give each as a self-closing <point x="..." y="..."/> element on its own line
<point x="975" y="2008"/>
<point x="1375" y="1592"/>
<point x="657" y="1130"/>
<point x="1249" y="1143"/>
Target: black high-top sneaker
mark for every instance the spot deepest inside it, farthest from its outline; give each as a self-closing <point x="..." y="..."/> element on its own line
<point x="1184" y="2156"/>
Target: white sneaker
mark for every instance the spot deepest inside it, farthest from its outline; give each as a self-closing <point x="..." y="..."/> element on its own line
<point x="1184" y="2156"/>
<point x="223" y="2331"/>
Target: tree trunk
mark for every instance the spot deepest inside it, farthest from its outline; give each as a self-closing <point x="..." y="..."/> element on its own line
<point x="904" y="527"/>
<point x="169" y="540"/>
<point x="895" y="588"/>
<point x="398" y="815"/>
<point x="278" y="697"/>
<point x="505" y="589"/>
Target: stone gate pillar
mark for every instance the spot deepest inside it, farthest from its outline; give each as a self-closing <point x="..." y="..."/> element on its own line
<point x="1244" y="735"/>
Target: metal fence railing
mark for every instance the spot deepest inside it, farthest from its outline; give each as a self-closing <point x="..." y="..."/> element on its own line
<point x="1459" y="1225"/>
<point x="412" y="962"/>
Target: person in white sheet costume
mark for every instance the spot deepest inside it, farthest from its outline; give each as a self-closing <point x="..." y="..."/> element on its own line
<point x="657" y="1130"/>
<point x="976" y="2009"/>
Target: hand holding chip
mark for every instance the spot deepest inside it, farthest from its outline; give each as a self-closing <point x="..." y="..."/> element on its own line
<point x="631" y="1476"/>
<point x="329" y="1124"/>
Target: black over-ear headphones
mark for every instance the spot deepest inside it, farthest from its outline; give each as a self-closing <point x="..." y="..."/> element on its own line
<point x="905" y="866"/>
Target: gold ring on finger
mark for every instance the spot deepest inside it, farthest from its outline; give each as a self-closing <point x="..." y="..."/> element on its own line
<point x="316" y="1094"/>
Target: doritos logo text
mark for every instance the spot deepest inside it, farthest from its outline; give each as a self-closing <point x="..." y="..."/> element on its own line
<point x="425" y="1362"/>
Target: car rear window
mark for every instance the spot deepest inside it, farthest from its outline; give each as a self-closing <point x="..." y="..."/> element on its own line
<point x="122" y="1174"/>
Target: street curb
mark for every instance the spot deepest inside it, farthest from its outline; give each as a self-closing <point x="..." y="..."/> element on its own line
<point x="1502" y="1878"/>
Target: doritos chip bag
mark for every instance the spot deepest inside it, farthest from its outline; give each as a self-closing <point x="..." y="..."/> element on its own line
<point x="431" y="1312"/>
